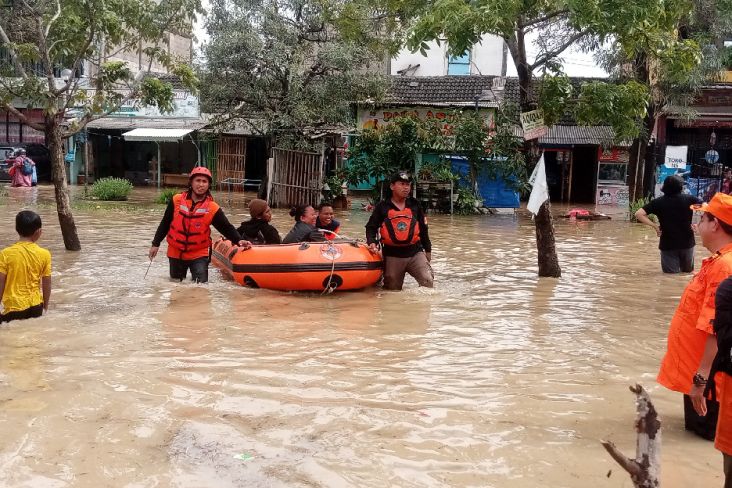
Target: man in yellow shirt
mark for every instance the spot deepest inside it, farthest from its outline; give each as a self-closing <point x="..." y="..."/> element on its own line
<point x="25" y="272"/>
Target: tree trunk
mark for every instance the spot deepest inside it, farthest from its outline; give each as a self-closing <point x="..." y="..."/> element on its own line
<point x="645" y="469"/>
<point x="543" y="223"/>
<point x="636" y="168"/>
<point x="58" y="173"/>
<point x="637" y="165"/>
<point x="547" y="253"/>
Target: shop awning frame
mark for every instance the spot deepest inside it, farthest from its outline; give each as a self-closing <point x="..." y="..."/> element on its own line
<point x="156" y="135"/>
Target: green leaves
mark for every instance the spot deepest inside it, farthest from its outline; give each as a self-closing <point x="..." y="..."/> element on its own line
<point x="114" y="72"/>
<point x="555" y="95"/>
<point x="622" y="106"/>
<point x="156" y="92"/>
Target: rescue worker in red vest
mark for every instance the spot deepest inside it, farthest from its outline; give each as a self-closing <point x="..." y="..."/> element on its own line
<point x="399" y="224"/>
<point x="187" y="224"/>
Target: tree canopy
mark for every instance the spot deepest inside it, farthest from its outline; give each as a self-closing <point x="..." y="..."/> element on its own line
<point x="39" y="39"/>
<point x="285" y="67"/>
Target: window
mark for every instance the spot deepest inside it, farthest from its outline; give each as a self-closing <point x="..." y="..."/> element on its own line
<point x="615" y="173"/>
<point x="459" y="65"/>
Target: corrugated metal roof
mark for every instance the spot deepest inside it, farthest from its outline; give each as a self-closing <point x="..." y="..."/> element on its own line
<point x="694" y="111"/>
<point x="577" y="135"/>
<point x="129" y="123"/>
<point x="601" y="135"/>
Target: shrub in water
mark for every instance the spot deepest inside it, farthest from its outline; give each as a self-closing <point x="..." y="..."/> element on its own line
<point x="166" y="195"/>
<point x="638" y="204"/>
<point x="115" y="189"/>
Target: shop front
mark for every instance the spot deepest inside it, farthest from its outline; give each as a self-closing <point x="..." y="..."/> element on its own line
<point x="612" y="177"/>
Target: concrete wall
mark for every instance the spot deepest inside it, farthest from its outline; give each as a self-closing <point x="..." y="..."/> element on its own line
<point x="486" y="59"/>
<point x="178" y="46"/>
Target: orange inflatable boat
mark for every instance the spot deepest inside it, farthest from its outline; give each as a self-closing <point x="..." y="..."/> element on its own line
<point x="307" y="266"/>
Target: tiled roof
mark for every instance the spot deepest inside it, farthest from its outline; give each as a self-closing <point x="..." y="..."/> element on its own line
<point x="452" y="91"/>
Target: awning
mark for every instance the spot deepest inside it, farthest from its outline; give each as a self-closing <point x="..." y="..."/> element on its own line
<point x="156" y="135"/>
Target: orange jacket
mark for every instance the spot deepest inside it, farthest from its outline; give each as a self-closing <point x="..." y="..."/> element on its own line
<point x="189" y="236"/>
<point x="400" y="228"/>
<point x="692" y="323"/>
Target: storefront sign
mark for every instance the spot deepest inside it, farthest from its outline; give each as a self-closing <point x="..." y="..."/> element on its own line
<point x="676" y="156"/>
<point x="533" y="124"/>
<point x="613" y="154"/>
<point x="702" y="123"/>
<point x="185" y="104"/>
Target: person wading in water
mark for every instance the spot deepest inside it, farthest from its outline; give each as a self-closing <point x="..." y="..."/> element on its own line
<point x="187" y="224"/>
<point x="405" y="243"/>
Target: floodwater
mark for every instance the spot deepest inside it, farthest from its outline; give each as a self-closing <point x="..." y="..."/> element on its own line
<point x="493" y="379"/>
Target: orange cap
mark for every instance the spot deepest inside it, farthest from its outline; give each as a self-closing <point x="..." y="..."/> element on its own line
<point x="720" y="206"/>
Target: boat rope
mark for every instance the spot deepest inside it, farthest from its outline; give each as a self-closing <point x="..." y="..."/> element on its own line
<point x="330" y="288"/>
<point x="338" y="236"/>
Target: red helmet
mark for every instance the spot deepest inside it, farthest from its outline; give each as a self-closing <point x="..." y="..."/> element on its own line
<point x="200" y="170"/>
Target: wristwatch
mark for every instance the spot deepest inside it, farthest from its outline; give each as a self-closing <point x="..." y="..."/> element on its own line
<point x="699" y="380"/>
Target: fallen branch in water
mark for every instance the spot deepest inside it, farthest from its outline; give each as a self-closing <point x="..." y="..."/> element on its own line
<point x="645" y="469"/>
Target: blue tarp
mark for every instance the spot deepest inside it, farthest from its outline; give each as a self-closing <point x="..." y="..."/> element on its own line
<point x="496" y="193"/>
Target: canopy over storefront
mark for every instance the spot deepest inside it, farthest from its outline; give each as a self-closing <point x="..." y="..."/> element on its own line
<point x="156" y="135"/>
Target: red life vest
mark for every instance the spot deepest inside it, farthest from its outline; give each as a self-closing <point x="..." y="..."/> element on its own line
<point x="189" y="236"/>
<point x="333" y="234"/>
<point x="400" y="228"/>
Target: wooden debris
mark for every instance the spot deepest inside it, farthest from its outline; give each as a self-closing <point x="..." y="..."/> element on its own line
<point x="645" y="469"/>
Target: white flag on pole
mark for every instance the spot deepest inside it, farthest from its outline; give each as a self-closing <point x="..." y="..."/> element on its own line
<point x="539" y="188"/>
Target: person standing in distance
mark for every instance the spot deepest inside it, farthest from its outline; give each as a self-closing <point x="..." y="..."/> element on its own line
<point x="399" y="224"/>
<point x="22" y="171"/>
<point x="187" y="224"/>
<point x="674" y="228"/>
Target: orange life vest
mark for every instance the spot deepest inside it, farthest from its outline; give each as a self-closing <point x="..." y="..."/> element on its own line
<point x="400" y="228"/>
<point x="189" y="236"/>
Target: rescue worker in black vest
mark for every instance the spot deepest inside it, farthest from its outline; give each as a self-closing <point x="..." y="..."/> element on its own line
<point x="187" y="224"/>
<point x="399" y="224"/>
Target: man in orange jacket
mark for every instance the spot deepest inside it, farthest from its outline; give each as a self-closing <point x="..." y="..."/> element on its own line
<point x="187" y="224"/>
<point x="691" y="341"/>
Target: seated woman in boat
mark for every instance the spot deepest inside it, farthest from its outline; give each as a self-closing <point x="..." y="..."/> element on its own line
<point x="325" y="221"/>
<point x="258" y="229"/>
<point x="304" y="229"/>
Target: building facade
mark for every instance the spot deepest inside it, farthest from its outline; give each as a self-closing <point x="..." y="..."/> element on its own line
<point x="489" y="57"/>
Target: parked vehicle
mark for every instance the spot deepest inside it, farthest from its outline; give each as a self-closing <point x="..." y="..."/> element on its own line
<point x="37" y="152"/>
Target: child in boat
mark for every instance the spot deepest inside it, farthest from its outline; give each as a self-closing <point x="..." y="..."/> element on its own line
<point x="25" y="272"/>
<point x="304" y="229"/>
<point x="258" y="229"/>
<point x="325" y="221"/>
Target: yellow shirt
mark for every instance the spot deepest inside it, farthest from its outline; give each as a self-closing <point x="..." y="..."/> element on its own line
<point x="23" y="264"/>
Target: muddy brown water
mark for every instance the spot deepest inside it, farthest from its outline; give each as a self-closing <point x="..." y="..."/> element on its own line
<point x="493" y="379"/>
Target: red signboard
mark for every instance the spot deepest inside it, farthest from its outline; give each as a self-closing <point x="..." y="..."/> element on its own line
<point x="614" y="154"/>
